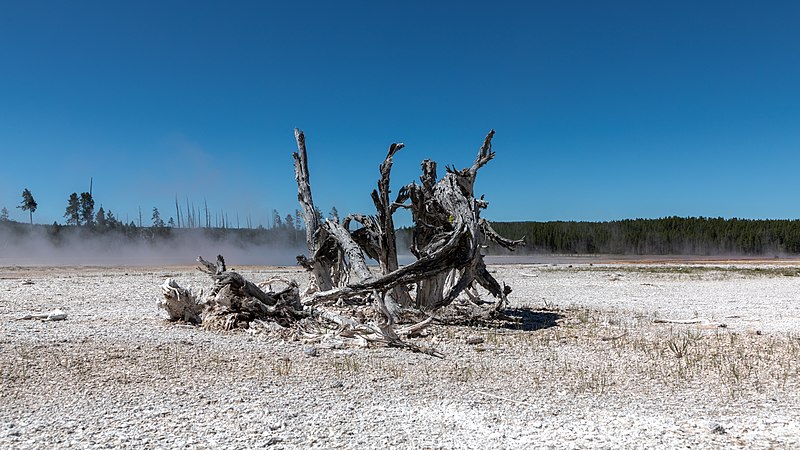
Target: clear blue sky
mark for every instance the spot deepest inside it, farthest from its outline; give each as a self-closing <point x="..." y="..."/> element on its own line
<point x="603" y="110"/>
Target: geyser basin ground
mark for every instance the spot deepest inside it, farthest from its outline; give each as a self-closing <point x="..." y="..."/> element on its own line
<point x="591" y="370"/>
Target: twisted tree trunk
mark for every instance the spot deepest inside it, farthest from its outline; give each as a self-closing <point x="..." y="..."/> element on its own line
<point x="447" y="236"/>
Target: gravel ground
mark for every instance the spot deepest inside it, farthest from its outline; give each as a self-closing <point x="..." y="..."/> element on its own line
<point x="587" y="367"/>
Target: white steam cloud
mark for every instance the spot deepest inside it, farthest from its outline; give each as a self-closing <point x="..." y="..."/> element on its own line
<point x="43" y="246"/>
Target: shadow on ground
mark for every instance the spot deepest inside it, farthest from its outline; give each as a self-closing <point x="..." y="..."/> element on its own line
<point x="523" y="319"/>
<point x="527" y="319"/>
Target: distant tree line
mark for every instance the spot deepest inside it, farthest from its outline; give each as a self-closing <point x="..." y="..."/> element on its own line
<point x="80" y="212"/>
<point x="67" y="235"/>
<point x="81" y="219"/>
<point x="665" y="236"/>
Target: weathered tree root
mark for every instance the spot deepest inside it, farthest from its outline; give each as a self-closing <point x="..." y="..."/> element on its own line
<point x="180" y="303"/>
<point x="232" y="302"/>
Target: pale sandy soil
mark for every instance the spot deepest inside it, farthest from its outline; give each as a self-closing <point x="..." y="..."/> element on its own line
<point x="588" y="369"/>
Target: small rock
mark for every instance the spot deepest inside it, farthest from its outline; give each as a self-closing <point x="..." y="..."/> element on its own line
<point x="716" y="428"/>
<point x="310" y="350"/>
<point x="56" y="315"/>
<point x="472" y="340"/>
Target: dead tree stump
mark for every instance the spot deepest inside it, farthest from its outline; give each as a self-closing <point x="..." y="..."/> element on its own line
<point x="447" y="238"/>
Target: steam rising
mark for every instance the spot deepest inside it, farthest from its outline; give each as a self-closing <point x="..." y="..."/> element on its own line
<point x="64" y="246"/>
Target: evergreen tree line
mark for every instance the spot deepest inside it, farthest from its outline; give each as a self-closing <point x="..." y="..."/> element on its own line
<point x="81" y="220"/>
<point x="664" y="236"/>
<point x="80" y="212"/>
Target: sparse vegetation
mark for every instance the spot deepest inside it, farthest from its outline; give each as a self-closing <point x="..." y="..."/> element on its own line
<point x="345" y="365"/>
<point x="282" y="366"/>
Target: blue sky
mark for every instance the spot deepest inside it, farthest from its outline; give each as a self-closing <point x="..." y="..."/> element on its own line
<point x="603" y="110"/>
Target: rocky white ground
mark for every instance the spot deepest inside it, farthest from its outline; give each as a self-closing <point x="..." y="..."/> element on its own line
<point x="588" y="369"/>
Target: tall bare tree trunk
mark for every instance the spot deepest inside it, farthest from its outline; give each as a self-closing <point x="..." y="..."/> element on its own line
<point x="387" y="240"/>
<point x="317" y="263"/>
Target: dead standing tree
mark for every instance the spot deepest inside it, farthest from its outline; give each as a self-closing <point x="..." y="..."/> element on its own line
<point x="447" y="236"/>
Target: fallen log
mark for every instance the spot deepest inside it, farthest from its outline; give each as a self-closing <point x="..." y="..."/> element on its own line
<point x="703" y="322"/>
<point x="232" y="302"/>
<point x="50" y="316"/>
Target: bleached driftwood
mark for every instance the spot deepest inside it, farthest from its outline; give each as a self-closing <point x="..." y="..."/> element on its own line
<point x="386" y="238"/>
<point x="697" y="321"/>
<point x="232" y="302"/>
<point x="415" y="328"/>
<point x="50" y="316"/>
<point x="180" y="303"/>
